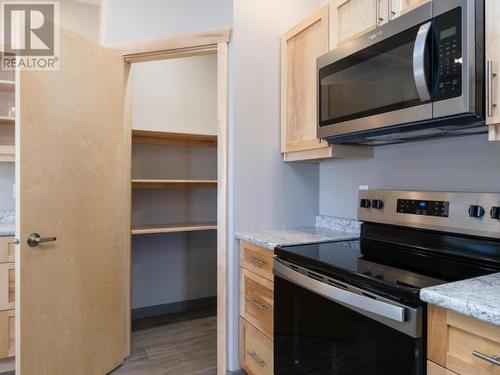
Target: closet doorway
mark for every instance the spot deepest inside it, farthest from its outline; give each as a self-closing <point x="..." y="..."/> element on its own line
<point x="178" y="102"/>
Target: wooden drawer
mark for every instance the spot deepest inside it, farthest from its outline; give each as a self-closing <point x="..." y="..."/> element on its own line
<point x="453" y="338"/>
<point x="257" y="301"/>
<point x="257" y="259"/>
<point x="256" y="350"/>
<point x="433" y="369"/>
<point x="7" y="286"/>
<point x="7" y="333"/>
<point x="7" y="249"/>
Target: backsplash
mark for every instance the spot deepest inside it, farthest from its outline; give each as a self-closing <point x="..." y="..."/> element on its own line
<point x="338" y="224"/>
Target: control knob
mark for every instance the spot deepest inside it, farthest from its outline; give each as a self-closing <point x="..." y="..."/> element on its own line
<point x="364" y="203"/>
<point x="495" y="213"/>
<point x="476" y="211"/>
<point x="377" y="203"/>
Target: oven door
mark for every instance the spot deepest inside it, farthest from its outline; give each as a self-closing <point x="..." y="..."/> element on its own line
<point x="381" y="79"/>
<point x="320" y="328"/>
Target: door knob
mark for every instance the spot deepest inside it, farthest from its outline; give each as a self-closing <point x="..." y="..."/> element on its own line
<point x="34" y="239"/>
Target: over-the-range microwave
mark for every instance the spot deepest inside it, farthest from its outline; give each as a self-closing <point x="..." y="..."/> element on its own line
<point x="421" y="75"/>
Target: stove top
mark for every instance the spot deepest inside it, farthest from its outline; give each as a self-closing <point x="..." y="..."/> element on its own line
<point x="393" y="271"/>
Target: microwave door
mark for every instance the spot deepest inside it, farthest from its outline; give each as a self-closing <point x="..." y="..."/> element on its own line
<point x="387" y="83"/>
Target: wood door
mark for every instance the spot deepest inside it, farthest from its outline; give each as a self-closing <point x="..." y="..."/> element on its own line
<point x="74" y="184"/>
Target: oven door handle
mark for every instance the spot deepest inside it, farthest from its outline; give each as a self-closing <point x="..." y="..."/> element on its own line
<point x="419" y="62"/>
<point x="384" y="309"/>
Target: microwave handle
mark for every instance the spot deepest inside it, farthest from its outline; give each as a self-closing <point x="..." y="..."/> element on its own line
<point x="419" y="62"/>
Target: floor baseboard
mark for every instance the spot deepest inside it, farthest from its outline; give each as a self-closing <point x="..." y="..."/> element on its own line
<point x="172" y="308"/>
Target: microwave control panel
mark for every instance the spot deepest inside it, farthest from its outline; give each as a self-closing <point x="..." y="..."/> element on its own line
<point x="423" y="207"/>
<point x="448" y="32"/>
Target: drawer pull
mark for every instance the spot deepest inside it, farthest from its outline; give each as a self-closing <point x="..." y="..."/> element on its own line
<point x="258" y="261"/>
<point x="493" y="360"/>
<point x="256" y="358"/>
<point x="255" y="303"/>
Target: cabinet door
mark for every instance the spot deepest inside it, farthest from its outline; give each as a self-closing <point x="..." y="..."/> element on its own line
<point x="492" y="10"/>
<point x="353" y="18"/>
<point x="300" y="47"/>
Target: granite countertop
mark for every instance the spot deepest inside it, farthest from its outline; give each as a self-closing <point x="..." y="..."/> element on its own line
<point x="7" y="223"/>
<point x="478" y="297"/>
<point x="327" y="228"/>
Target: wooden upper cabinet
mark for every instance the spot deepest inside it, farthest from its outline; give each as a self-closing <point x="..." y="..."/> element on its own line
<point x="351" y="18"/>
<point x="492" y="49"/>
<point x="300" y="47"/>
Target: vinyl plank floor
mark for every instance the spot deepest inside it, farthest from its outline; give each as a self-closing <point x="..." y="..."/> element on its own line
<point x="181" y="344"/>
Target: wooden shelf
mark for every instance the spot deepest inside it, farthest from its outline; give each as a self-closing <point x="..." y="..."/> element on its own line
<point x="6" y="85"/>
<point x="5" y="120"/>
<point x="7" y="154"/>
<point x="173" y="228"/>
<point x="178" y="139"/>
<point x="172" y="184"/>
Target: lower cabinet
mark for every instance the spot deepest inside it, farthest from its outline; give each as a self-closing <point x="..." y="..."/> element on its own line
<point x="7" y="297"/>
<point x="256" y="350"/>
<point x="256" y="309"/>
<point x="7" y="333"/>
<point x="433" y="369"/>
<point x="461" y="345"/>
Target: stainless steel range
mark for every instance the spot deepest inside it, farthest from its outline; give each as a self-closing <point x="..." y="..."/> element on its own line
<point x="353" y="307"/>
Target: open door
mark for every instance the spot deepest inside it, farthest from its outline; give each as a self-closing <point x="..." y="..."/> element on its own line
<point x="73" y="183"/>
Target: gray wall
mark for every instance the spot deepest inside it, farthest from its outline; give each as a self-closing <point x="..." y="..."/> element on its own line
<point x="266" y="193"/>
<point x="467" y="163"/>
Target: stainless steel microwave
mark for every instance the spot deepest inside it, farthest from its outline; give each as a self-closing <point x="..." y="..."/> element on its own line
<point x="418" y="76"/>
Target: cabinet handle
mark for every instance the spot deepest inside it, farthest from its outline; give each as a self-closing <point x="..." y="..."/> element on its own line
<point x="255" y="303"/>
<point x="493" y="359"/>
<point x="258" y="261"/>
<point x="256" y="358"/>
<point x="489" y="89"/>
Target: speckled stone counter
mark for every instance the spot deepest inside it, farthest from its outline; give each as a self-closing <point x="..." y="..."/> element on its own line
<point x="7" y="220"/>
<point x="478" y="297"/>
<point x="327" y="229"/>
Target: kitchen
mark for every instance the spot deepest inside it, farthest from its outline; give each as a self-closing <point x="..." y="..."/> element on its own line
<point x="384" y="206"/>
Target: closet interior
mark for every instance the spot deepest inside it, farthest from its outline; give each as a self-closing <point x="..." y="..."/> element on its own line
<point x="174" y="189"/>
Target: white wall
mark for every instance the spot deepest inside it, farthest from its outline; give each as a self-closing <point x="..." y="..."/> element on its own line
<point x="178" y="94"/>
<point x="81" y="18"/>
<point x="132" y="20"/>
<point x="466" y="163"/>
<point x="266" y="193"/>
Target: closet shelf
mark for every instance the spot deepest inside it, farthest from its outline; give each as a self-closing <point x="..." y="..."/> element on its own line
<point x="6" y="85"/>
<point x="173" y="228"/>
<point x="172" y="184"/>
<point x="5" y="120"/>
<point x="7" y="154"/>
<point x="178" y="139"/>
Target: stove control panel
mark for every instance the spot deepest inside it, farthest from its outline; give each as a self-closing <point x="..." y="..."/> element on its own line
<point x="456" y="212"/>
<point x="423" y="207"/>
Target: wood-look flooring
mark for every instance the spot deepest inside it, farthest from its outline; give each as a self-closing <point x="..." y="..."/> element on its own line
<point x="181" y="344"/>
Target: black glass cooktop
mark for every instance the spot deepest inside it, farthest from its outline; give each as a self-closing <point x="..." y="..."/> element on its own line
<point x="395" y="271"/>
